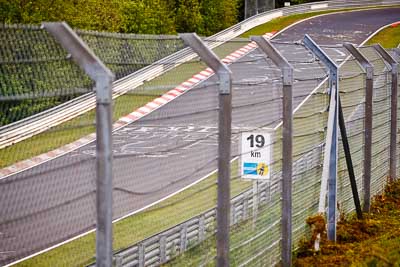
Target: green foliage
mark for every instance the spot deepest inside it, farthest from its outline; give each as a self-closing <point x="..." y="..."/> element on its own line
<point x="188" y="16"/>
<point x="147" y="16"/>
<point x="205" y="17"/>
<point x="218" y="15"/>
<point x="90" y="14"/>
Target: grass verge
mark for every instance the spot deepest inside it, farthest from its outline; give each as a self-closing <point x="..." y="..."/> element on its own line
<point x="388" y="38"/>
<point x="374" y="241"/>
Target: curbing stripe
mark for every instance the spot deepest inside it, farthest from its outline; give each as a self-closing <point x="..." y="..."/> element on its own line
<point x="144" y="110"/>
<point x="181" y="88"/>
<point x="187" y="83"/>
<point x="167" y="97"/>
<point x="205" y="73"/>
<point x="137" y="114"/>
<point x="152" y="105"/>
<point x="131" y="116"/>
<point x="160" y="101"/>
<point x="200" y="76"/>
<point x="124" y="119"/>
<point x="395" y="24"/>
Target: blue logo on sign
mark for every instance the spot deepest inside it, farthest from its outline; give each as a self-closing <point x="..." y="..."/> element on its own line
<point x="250" y="168"/>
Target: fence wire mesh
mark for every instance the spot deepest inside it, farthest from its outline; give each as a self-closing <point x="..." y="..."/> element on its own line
<point x="43" y="205"/>
<point x="126" y="53"/>
<point x="380" y="120"/>
<point x="49" y="203"/>
<point x="310" y="100"/>
<point x="165" y="153"/>
<point x="158" y="155"/>
<point x="352" y="88"/>
<point x="257" y="107"/>
<point x="36" y="73"/>
<point x="397" y="56"/>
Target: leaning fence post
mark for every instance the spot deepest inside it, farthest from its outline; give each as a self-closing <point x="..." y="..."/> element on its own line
<point x="224" y="142"/>
<point x="103" y="77"/>
<point x="393" y="109"/>
<point x="329" y="172"/>
<point x="287" y="136"/>
<point x="369" y="69"/>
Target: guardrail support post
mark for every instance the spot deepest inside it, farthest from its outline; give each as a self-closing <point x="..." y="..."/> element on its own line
<point x="329" y="173"/>
<point x="183" y="238"/>
<point x="103" y="77"/>
<point x="224" y="142"/>
<point x="202" y="228"/>
<point x="369" y="69"/>
<point x="287" y="143"/>
<point x="141" y="255"/>
<point x="117" y="261"/>
<point x="393" y="109"/>
<point x="163" y="249"/>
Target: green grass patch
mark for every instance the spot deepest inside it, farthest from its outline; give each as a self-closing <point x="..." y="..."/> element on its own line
<point x="388" y="38"/>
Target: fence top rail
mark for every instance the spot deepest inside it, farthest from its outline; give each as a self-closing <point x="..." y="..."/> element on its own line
<point x="385" y="55"/>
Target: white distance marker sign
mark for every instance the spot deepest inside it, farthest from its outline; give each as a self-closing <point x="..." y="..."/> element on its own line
<point x="256" y="155"/>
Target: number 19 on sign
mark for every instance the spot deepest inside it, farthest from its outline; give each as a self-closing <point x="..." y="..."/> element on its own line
<point x="255" y="155"/>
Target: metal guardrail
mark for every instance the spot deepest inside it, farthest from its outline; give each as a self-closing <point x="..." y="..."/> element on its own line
<point x="28" y="127"/>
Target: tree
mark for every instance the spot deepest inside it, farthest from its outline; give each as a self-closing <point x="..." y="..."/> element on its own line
<point x="188" y="16"/>
<point x="90" y="14"/>
<point x="218" y="15"/>
<point x="148" y="16"/>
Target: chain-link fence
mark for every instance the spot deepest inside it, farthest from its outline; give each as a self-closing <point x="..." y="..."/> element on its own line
<point x="165" y="152"/>
<point x="37" y="74"/>
<point x="48" y="181"/>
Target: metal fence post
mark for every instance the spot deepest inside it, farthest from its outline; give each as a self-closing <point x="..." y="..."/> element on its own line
<point x="329" y="172"/>
<point x="369" y="69"/>
<point x="393" y="109"/>
<point x="224" y="142"/>
<point x="287" y="136"/>
<point x="103" y="77"/>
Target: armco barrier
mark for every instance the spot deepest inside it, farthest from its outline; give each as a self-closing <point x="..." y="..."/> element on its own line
<point x="28" y="127"/>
